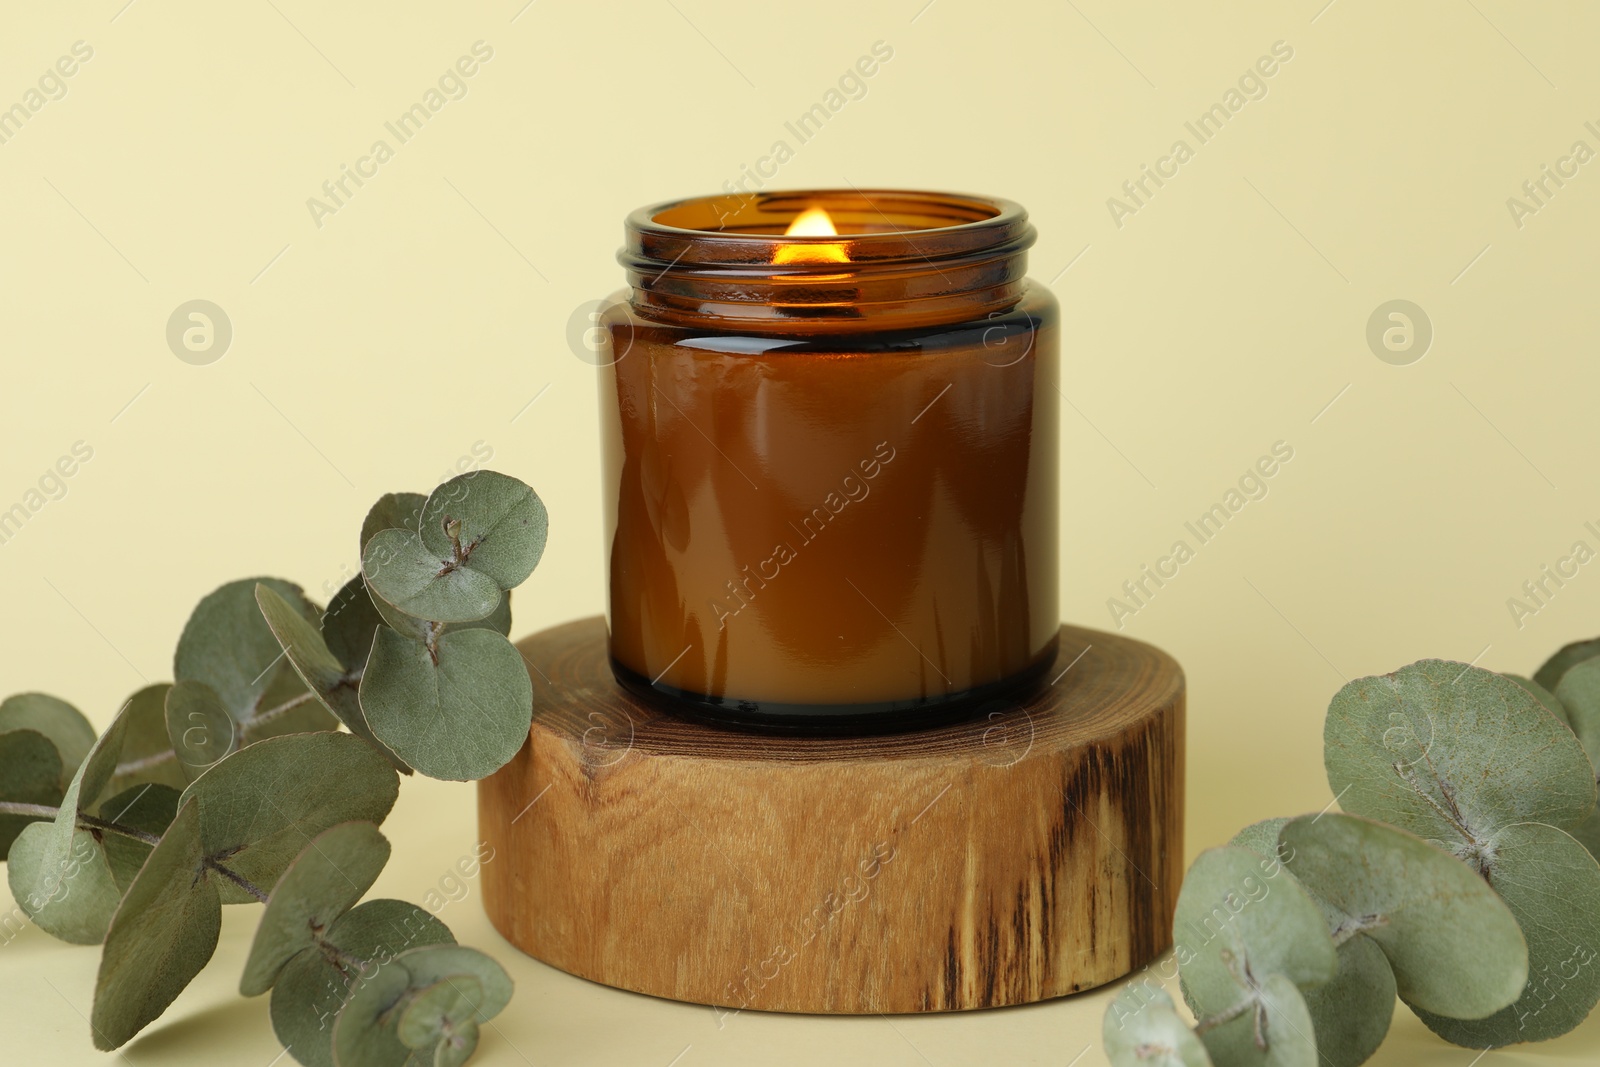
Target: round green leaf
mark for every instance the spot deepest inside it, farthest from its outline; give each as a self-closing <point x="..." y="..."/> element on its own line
<point x="58" y="721"/>
<point x="332" y="872"/>
<point x="435" y="963"/>
<point x="149" y="807"/>
<point x="1579" y="692"/>
<point x="259" y="806"/>
<point x="437" y="1012"/>
<point x="1451" y="753"/>
<point x="58" y="873"/>
<point x="1587" y="833"/>
<point x="404" y="573"/>
<point x="348" y="625"/>
<point x="1552" y="885"/>
<point x="1352" y="1013"/>
<point x="1543" y="696"/>
<point x="458" y="1048"/>
<point x="393" y="511"/>
<point x="459" y="711"/>
<point x="498" y="620"/>
<point x="1234" y="919"/>
<point x="163" y="934"/>
<point x="312" y="987"/>
<point x="1262" y="837"/>
<point x="147" y="754"/>
<point x="1455" y="947"/>
<point x="503" y="525"/>
<point x="1279" y="1020"/>
<point x="65" y="885"/>
<point x="227" y="645"/>
<point x="30" y="773"/>
<point x="365" y="1033"/>
<point x="1141" y="1028"/>
<point x="334" y="685"/>
<point x="199" y="727"/>
<point x="1557" y="665"/>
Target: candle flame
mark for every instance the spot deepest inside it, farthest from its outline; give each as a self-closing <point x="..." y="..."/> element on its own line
<point x="812" y="222"/>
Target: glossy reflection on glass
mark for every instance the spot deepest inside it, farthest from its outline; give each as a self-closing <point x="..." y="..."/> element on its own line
<point x="830" y="459"/>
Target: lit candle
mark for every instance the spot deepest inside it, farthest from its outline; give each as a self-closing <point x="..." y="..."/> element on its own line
<point x="831" y="467"/>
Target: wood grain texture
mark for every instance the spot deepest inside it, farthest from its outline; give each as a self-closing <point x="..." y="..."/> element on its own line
<point x="1031" y="852"/>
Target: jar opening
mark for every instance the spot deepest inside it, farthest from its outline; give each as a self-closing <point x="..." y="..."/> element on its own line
<point x="852" y="212"/>
<point x="897" y="259"/>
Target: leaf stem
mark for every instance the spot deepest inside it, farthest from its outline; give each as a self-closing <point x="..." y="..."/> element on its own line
<point x="237" y="879"/>
<point x="256" y="718"/>
<point x="91" y="822"/>
<point x="145" y="763"/>
<point x="85" y="821"/>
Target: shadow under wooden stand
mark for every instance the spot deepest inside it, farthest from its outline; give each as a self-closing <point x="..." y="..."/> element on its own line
<point x="1033" y="851"/>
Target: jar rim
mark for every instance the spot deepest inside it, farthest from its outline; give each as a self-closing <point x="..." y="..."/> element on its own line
<point x="876" y="226"/>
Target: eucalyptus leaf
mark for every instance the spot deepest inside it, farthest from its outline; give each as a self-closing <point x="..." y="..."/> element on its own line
<point x="330" y="875"/>
<point x="147" y="754"/>
<point x="1579" y="692"/>
<point x="498" y="620"/>
<point x="458" y="710"/>
<point x="65" y="885"/>
<point x="30" y="773"/>
<point x="334" y="685"/>
<point x="1352" y="1012"/>
<point x="457" y="1048"/>
<point x="61" y="723"/>
<point x="393" y="511"/>
<point x="404" y="573"/>
<point x="1552" y="885"/>
<point x="150" y="808"/>
<point x="1451" y="753"/>
<point x="1550" y="674"/>
<point x="227" y="645"/>
<point x="435" y="963"/>
<point x="365" y="1033"/>
<point x="58" y="873"/>
<point x="1280" y="1021"/>
<point x="1587" y="833"/>
<point x="313" y="986"/>
<point x="260" y="806"/>
<point x="163" y="934"/>
<point x="439" y="1011"/>
<point x="502" y="530"/>
<point x="348" y="625"/>
<point x="199" y="727"/>
<point x="1455" y="947"/>
<point x="1235" y="921"/>
<point x="1543" y="696"/>
<point x="480" y="534"/>
<point x="1262" y="837"/>
<point x="1142" y="1029"/>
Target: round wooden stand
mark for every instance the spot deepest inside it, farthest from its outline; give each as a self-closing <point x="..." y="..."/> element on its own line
<point x="1031" y="852"/>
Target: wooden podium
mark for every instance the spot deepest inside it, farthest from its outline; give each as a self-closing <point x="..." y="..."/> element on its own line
<point x="1033" y="851"/>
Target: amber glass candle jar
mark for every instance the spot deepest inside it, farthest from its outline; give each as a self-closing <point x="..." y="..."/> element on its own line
<point x="830" y="458"/>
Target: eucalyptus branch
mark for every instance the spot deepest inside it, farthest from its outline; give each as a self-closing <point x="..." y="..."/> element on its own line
<point x="477" y="685"/>
<point x="145" y="763"/>
<point x="85" y="821"/>
<point x="259" y="718"/>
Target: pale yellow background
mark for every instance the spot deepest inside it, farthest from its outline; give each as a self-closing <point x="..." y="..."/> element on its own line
<point x="374" y="352"/>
